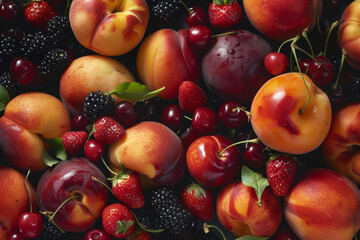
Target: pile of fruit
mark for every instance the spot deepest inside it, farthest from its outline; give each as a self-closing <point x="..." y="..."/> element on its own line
<point x="180" y="119"/>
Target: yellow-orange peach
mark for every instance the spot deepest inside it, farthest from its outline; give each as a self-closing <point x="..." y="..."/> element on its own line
<point x="151" y="149"/>
<point x="109" y="27"/>
<point x="27" y="119"/>
<point x="281" y="120"/>
<point x="165" y="59"/>
<point x="323" y="204"/>
<point x="239" y="212"/>
<point x="14" y="199"/>
<point x="340" y="147"/>
<point x="91" y="73"/>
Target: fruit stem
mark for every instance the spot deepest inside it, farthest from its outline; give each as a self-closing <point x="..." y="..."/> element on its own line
<point x="187" y="8"/>
<point x="188" y="118"/>
<point x="118" y="7"/>
<point x="28" y="189"/>
<point x="206" y="229"/>
<point x="289" y="40"/>
<point x="333" y="25"/>
<point x="248" y="114"/>
<point x="61" y="205"/>
<point x="67" y="8"/>
<point x="293" y="44"/>
<point x="343" y="55"/>
<point x="224" y="34"/>
<point x="97" y="180"/>
<point x="308" y="54"/>
<point x="255" y="140"/>
<point x="318" y="16"/>
<point x="304" y="34"/>
<point x="108" y="168"/>
<point x="143" y="228"/>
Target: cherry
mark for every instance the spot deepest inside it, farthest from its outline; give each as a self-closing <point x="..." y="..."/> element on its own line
<point x="254" y="156"/>
<point x="124" y="113"/>
<point x="23" y="71"/>
<point x="15" y="236"/>
<point x="336" y="95"/>
<point x="80" y="122"/>
<point x="276" y="63"/>
<point x="189" y="136"/>
<point x="9" y="10"/>
<point x="304" y="64"/>
<point x="96" y="234"/>
<point x="197" y="16"/>
<point x="172" y="116"/>
<point x="199" y="37"/>
<point x="231" y="115"/>
<point x="93" y="150"/>
<point x="30" y="224"/>
<point x="146" y="110"/>
<point x="321" y="71"/>
<point x="205" y="120"/>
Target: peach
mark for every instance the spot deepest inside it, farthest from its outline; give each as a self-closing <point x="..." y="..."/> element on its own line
<point x="165" y="59"/>
<point x="282" y="19"/>
<point x="151" y="149"/>
<point x="15" y="199"/>
<point x="91" y="73"/>
<point x="27" y="119"/>
<point x="109" y="27"/>
<point x="323" y="204"/>
<point x="340" y="148"/>
<point x="349" y="34"/>
<point x="239" y="212"/>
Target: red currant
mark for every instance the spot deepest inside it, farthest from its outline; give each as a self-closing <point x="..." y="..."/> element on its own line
<point x="30" y="224"/>
<point x="93" y="149"/>
<point x="276" y="63"/>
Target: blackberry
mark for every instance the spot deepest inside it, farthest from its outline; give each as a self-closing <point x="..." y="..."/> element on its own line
<point x="54" y="63"/>
<point x="13" y="88"/>
<point x="33" y="46"/>
<point x="172" y="213"/>
<point x="50" y="231"/>
<point x="354" y="89"/>
<point x="97" y="104"/>
<point x="59" y="31"/>
<point x="165" y="11"/>
<point x="8" y="50"/>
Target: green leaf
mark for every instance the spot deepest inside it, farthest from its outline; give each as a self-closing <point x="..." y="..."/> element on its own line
<point x="134" y="91"/>
<point x="57" y="147"/>
<point x="48" y="160"/>
<point x="254" y="180"/>
<point x="4" y="98"/>
<point x="249" y="237"/>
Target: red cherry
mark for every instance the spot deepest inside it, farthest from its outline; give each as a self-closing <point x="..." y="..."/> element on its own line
<point x="189" y="136"/>
<point x="205" y="120"/>
<point x="197" y="16"/>
<point x="80" y="122"/>
<point x="276" y="63"/>
<point x="124" y="113"/>
<point x="231" y="116"/>
<point x="304" y="64"/>
<point x="199" y="37"/>
<point x="321" y="71"/>
<point x="93" y="149"/>
<point x="30" y="224"/>
<point x="96" y="234"/>
<point x="254" y="156"/>
<point x="15" y="236"/>
<point x="9" y="10"/>
<point x="172" y="116"/>
<point x="23" y="71"/>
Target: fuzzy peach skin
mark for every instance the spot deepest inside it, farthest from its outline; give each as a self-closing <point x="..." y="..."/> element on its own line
<point x="109" y="27"/>
<point x="27" y="119"/>
<point x="279" y="119"/>
<point x="238" y="211"/>
<point x="165" y="59"/>
<point x="91" y="73"/>
<point x="151" y="149"/>
<point x="349" y="34"/>
<point x="340" y="149"/>
<point x="282" y="19"/>
<point x="323" y="204"/>
<point x="15" y="199"/>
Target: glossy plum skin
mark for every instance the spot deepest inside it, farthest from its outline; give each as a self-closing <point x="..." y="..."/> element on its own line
<point x="225" y="70"/>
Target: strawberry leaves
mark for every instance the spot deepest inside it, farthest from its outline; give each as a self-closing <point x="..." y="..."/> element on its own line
<point x="134" y="91"/>
<point x="255" y="180"/>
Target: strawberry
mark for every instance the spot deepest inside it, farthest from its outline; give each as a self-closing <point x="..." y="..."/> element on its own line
<point x="118" y="220"/>
<point x="107" y="130"/>
<point x="38" y="13"/>
<point x="140" y="234"/>
<point x="127" y="188"/>
<point x="281" y="173"/>
<point x="74" y="142"/>
<point x="191" y="96"/>
<point x="199" y="201"/>
<point x="225" y="14"/>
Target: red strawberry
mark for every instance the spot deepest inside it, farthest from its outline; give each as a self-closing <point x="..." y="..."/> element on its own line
<point x="74" y="142"/>
<point x="118" y="220"/>
<point x="38" y="13"/>
<point x="199" y="201"/>
<point x="127" y="188"/>
<point x="281" y="172"/>
<point x="108" y="130"/>
<point x="140" y="234"/>
<point x="191" y="96"/>
<point x="225" y="14"/>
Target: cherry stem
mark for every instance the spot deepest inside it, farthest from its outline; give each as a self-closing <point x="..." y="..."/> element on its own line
<point x="67" y="8"/>
<point x="308" y="54"/>
<point x="343" y="55"/>
<point x="206" y="229"/>
<point x="318" y="16"/>
<point x="97" y="180"/>
<point x="304" y="34"/>
<point x="224" y="34"/>
<point x="118" y="7"/>
<point x="187" y="8"/>
<point x="61" y="205"/>
<point x="188" y="118"/>
<point x="293" y="44"/>
<point x="255" y="140"/>
<point x="108" y="168"/>
<point x="289" y="40"/>
<point x="333" y="25"/>
<point x="28" y="189"/>
<point x="248" y="114"/>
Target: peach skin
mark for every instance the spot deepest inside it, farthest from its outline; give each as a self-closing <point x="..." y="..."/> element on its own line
<point x="155" y="68"/>
<point x="15" y="199"/>
<point x="323" y="204"/>
<point x="27" y="119"/>
<point x="91" y="73"/>
<point x="340" y="149"/>
<point x="238" y="211"/>
<point x="282" y="118"/>
<point x="109" y="27"/>
<point x="151" y="149"/>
